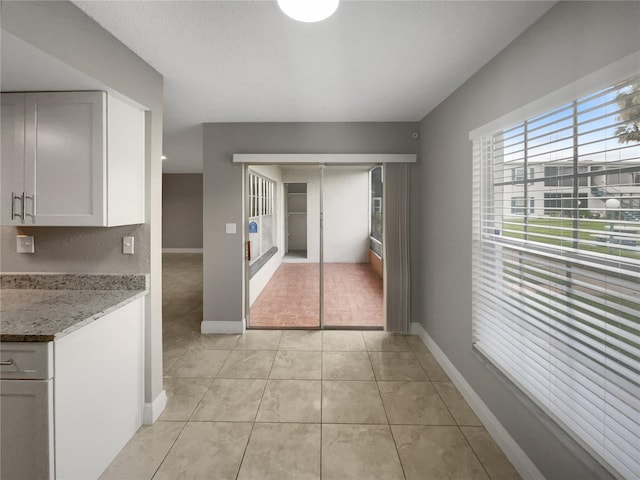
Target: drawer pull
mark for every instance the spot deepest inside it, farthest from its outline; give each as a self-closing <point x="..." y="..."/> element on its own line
<point x="7" y="362"/>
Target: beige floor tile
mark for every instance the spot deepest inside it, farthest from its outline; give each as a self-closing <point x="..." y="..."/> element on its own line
<point x="199" y="363"/>
<point x="218" y="342"/>
<point x="358" y="452"/>
<point x="230" y="400"/>
<point x="492" y="458"/>
<point x="342" y="341"/>
<point x="432" y="367"/>
<point x="247" y="364"/>
<point x="385" y="342"/>
<point x="436" y="452"/>
<point x="346" y="366"/>
<point x="143" y="454"/>
<point x="170" y="356"/>
<point x="351" y="402"/>
<point x="183" y="395"/>
<point x="415" y="343"/>
<point x="297" y="365"/>
<point x="282" y="451"/>
<point x="301" y="340"/>
<point x="291" y="401"/>
<point x="259" y="340"/>
<point x="414" y="403"/>
<point x="206" y="450"/>
<point x="456" y="404"/>
<point x="397" y="366"/>
<point x="179" y="336"/>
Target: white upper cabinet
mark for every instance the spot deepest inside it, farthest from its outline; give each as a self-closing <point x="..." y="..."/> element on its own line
<point x="71" y="159"/>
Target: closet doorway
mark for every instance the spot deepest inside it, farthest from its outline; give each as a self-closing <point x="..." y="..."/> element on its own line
<point x="323" y="265"/>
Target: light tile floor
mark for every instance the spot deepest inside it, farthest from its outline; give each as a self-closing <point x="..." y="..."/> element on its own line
<point x="302" y="405"/>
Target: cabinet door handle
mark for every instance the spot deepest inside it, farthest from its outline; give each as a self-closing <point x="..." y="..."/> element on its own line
<point x="15" y="197"/>
<point x="7" y="362"/>
<point x="33" y="207"/>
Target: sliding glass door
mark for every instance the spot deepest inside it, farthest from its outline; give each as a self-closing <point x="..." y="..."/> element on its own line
<point x="284" y="245"/>
<point x="315" y="244"/>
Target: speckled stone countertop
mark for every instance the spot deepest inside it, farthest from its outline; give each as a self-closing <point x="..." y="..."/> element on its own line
<point x="43" y="307"/>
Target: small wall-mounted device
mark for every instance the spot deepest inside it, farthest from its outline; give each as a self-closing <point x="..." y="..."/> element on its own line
<point x="415" y="135"/>
<point x="127" y="245"/>
<point x="25" y="244"/>
<point x="230" y="228"/>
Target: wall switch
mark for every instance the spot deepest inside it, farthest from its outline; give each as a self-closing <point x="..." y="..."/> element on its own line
<point x="25" y="244"/>
<point x="127" y="245"/>
<point x="230" y="228"/>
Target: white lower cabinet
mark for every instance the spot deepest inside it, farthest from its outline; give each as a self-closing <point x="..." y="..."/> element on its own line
<point x="72" y="424"/>
<point x="26" y="436"/>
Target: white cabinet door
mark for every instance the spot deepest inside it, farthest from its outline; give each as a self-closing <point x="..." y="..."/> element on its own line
<point x="99" y="377"/>
<point x="12" y="155"/>
<point x="65" y="150"/>
<point x="26" y="429"/>
<point x="72" y="159"/>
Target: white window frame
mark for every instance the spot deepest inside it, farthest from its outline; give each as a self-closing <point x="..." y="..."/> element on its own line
<point x="524" y="368"/>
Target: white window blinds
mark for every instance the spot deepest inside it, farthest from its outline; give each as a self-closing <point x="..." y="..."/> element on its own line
<point x="556" y="266"/>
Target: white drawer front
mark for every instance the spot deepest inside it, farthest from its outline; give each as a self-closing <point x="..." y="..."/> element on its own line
<point x="26" y="360"/>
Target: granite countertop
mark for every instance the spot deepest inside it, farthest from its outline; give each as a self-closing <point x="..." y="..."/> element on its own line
<point x="44" y="307"/>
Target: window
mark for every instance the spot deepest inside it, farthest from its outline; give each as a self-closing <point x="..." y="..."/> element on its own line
<point x="375" y="193"/>
<point x="556" y="303"/>
<point x="517" y="174"/>
<point x="261" y="215"/>
<point x="555" y="176"/>
<point x="518" y="205"/>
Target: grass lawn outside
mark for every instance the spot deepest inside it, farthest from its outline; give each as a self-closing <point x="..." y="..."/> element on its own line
<point x="555" y="230"/>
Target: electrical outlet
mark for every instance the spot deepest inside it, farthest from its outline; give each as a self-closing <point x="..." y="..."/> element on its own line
<point x="230" y="228"/>
<point x="127" y="245"/>
<point x="25" y="244"/>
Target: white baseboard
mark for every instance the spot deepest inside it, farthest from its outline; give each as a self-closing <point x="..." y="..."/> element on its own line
<point x="151" y="411"/>
<point x="211" y="326"/>
<point x="509" y="446"/>
<point x="182" y="250"/>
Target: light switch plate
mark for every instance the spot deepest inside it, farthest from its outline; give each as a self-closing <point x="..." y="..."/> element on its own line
<point x="230" y="228"/>
<point x="26" y="244"/>
<point x="127" y="245"/>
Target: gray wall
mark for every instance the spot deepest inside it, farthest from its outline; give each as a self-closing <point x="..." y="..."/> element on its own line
<point x="84" y="250"/>
<point x="182" y="210"/>
<point x="64" y="32"/>
<point x="570" y="41"/>
<point x="223" y="254"/>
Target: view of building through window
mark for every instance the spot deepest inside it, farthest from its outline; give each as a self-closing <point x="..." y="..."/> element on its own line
<point x="557" y="265"/>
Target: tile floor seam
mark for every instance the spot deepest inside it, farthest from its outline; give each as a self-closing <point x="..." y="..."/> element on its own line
<point x="244" y="452"/>
<point x="447" y="406"/>
<point x="168" y="451"/>
<point x="200" y="401"/>
<point x="475" y="453"/>
<point x="395" y="444"/>
<point x="253" y="423"/>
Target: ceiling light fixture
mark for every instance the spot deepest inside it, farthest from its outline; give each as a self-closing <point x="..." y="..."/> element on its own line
<point x="308" y="10"/>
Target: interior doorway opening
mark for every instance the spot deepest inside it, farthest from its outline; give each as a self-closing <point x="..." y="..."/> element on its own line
<point x="326" y="271"/>
<point x="295" y="198"/>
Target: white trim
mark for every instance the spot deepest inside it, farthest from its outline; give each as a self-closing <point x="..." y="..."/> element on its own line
<point x="151" y="411"/>
<point x="323" y="158"/>
<point x="182" y="250"/>
<point x="212" y="326"/>
<point x="509" y="446"/>
<point x="615" y="72"/>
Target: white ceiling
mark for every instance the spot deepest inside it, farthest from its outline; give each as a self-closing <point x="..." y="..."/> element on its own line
<point x="245" y="61"/>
